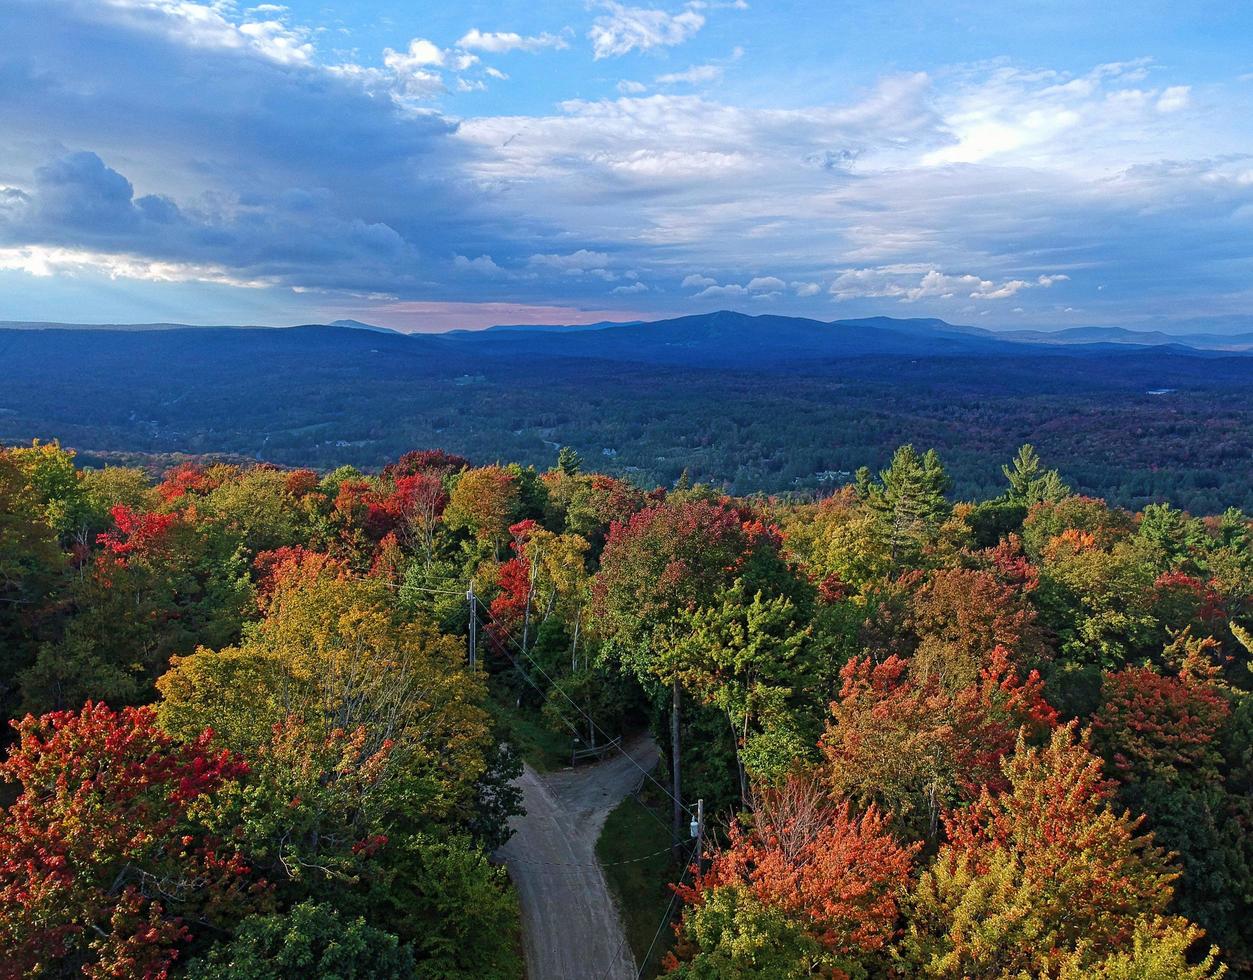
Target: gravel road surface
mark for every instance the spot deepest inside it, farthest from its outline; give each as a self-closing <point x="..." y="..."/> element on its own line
<point x="571" y="929"/>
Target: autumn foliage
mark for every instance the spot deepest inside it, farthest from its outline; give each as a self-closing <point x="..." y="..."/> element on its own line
<point x="1007" y="738"/>
<point x="912" y="746"/>
<point x="100" y="861"/>
<point x="841" y="873"/>
<point x="1150" y="724"/>
<point x="1044" y="867"/>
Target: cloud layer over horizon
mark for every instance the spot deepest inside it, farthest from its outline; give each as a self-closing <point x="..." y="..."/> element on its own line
<point x="210" y="162"/>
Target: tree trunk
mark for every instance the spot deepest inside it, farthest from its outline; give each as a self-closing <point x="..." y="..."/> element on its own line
<point x="676" y="783"/>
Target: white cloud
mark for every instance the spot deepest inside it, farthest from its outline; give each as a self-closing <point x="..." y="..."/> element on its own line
<point x="910" y="283"/>
<point x="414" y="72"/>
<point x="1174" y="98"/>
<point x="484" y="265"/>
<point x="1005" y="112"/>
<point x="500" y="42"/>
<point x="731" y="289"/>
<point x="695" y="281"/>
<point x="622" y="29"/>
<point x="44" y="261"/>
<point x="421" y="54"/>
<point x="584" y="260"/>
<point x="663" y="141"/>
<point x="628" y="87"/>
<point x="806" y="289"/>
<point x="765" y="282"/>
<point x="635" y="287"/>
<point x="201" y="25"/>
<point x="1003" y="291"/>
<point x="696" y="75"/>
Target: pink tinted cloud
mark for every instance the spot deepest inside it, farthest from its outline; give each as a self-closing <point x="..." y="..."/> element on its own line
<point x="435" y="317"/>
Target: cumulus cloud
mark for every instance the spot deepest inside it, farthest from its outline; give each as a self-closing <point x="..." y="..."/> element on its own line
<point x="500" y="42"/>
<point x="909" y="284"/>
<point x="730" y="291"/>
<point x="635" y="287"/>
<point x="81" y="214"/>
<point x="583" y="260"/>
<point x="483" y="265"/>
<point x="696" y="281"/>
<point x="621" y="29"/>
<point x="420" y="54"/>
<point x="765" y="282"/>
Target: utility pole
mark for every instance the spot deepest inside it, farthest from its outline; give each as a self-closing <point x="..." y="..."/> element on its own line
<point x="698" y="831"/>
<point x="676" y="792"/>
<point x="474" y="627"/>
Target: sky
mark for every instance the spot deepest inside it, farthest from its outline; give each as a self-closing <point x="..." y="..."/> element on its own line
<point x="427" y="166"/>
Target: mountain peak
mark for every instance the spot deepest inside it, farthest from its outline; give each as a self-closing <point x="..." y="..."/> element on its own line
<point x="358" y="325"/>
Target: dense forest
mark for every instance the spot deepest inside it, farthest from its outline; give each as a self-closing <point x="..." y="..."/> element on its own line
<point x="745" y="404"/>
<point x="936" y="737"/>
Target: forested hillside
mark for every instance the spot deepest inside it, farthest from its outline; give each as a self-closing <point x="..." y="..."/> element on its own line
<point x="934" y="736"/>
<point x="747" y="404"/>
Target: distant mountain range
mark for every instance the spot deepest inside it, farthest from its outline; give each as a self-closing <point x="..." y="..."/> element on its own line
<point x="767" y="403"/>
<point x="726" y="337"/>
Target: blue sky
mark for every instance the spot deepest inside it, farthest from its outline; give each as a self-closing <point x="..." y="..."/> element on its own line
<point x="428" y="166"/>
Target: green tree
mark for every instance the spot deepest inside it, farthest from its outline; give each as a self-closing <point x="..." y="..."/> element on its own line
<point x="746" y="655"/>
<point x="664" y="560"/>
<point x="909" y="499"/>
<point x="1029" y="483"/>
<point x="568" y="461"/>
<point x="31" y="563"/>
<point x="733" y="935"/>
<point x="309" y="940"/>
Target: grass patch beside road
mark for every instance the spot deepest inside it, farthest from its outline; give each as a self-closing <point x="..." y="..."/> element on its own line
<point x="542" y="748"/>
<point x="641" y="888"/>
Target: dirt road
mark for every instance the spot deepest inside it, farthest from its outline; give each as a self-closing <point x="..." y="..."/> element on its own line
<point x="571" y="929"/>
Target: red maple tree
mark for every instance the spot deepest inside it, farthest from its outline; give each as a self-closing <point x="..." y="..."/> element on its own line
<point x="99" y="863"/>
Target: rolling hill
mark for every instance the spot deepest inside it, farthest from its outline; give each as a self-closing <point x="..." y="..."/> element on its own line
<point x="766" y="403"/>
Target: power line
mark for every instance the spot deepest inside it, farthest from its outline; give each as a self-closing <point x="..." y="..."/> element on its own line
<point x="589" y="718"/>
<point x="553" y="685"/>
<point x="590" y="867"/>
<point x="664" y="921"/>
<point x="407" y="586"/>
<point x="569" y="724"/>
<point x="573" y="870"/>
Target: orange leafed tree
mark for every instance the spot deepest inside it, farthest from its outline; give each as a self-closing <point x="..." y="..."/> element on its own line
<point x="913" y="747"/>
<point x="1150" y="725"/>
<point x="841" y="874"/>
<point x="959" y="614"/>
